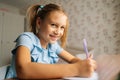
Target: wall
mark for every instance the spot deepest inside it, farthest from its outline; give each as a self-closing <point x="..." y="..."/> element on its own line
<point x="99" y="22"/>
<point x="9" y="8"/>
<point x="96" y="20"/>
<point x="9" y="20"/>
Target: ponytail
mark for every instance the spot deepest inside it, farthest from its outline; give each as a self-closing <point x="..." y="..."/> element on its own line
<point x="31" y="17"/>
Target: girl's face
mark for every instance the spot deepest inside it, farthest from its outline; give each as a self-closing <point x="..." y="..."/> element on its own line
<point x="52" y="27"/>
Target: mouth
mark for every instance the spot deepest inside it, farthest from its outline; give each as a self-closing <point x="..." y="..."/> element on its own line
<point x="53" y="37"/>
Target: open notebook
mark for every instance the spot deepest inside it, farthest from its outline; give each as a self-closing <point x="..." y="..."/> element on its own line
<point x="94" y="77"/>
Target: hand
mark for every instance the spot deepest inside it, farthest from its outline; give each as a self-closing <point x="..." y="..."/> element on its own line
<point x="85" y="68"/>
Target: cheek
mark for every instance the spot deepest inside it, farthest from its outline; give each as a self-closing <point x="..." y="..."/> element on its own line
<point x="51" y="30"/>
<point x="62" y="32"/>
<point x="48" y="30"/>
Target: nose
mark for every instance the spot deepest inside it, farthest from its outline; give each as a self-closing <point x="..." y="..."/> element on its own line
<point x="57" y="31"/>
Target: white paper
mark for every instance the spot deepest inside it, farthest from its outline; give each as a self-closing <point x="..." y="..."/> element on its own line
<point x="94" y="77"/>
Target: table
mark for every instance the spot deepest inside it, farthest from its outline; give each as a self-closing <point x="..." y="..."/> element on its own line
<point x="47" y="79"/>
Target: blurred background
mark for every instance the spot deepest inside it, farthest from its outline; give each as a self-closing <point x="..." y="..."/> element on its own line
<point x="96" y="20"/>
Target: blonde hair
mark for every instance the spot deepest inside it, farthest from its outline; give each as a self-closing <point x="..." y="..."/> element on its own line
<point x="36" y="10"/>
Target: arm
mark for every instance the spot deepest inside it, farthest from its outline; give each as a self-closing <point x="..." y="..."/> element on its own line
<point x="68" y="57"/>
<point x="30" y="70"/>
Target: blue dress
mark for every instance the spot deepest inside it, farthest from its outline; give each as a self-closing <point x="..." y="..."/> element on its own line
<point x="38" y="54"/>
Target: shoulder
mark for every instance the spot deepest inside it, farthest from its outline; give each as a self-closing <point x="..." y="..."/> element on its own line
<point x="27" y="39"/>
<point x="29" y="34"/>
<point x="25" y="36"/>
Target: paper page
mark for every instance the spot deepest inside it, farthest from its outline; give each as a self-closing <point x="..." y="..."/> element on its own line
<point x="94" y="77"/>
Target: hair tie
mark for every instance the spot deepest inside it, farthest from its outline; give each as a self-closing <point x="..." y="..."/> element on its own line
<point x="40" y="8"/>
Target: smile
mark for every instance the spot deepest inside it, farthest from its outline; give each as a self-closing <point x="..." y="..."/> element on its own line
<point x="53" y="37"/>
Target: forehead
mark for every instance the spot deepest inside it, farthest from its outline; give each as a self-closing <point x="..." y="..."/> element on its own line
<point x="57" y="17"/>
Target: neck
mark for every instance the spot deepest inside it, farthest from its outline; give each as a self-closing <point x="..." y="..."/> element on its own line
<point x="44" y="44"/>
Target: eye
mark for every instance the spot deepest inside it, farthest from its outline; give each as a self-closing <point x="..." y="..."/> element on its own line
<point x="53" y="25"/>
<point x="62" y="27"/>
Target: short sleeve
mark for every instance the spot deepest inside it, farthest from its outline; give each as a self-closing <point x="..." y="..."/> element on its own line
<point x="23" y="40"/>
<point x="59" y="49"/>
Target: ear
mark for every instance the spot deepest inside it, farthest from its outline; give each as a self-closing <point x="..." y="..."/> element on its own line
<point x="38" y="22"/>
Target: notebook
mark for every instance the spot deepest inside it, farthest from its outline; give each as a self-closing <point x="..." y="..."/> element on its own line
<point x="93" y="77"/>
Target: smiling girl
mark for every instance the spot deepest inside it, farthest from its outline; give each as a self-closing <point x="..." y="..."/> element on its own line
<point x="36" y="52"/>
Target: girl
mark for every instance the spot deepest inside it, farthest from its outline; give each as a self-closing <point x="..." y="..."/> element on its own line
<point x="36" y="52"/>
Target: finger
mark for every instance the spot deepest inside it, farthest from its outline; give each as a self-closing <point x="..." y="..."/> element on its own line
<point x="92" y="63"/>
<point x="91" y="56"/>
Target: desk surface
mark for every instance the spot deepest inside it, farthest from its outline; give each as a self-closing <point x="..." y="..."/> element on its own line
<point x="31" y="79"/>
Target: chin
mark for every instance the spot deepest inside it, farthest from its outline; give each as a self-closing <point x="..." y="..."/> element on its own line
<point x="52" y="42"/>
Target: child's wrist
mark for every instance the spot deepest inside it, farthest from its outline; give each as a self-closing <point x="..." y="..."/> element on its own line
<point x="74" y="60"/>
